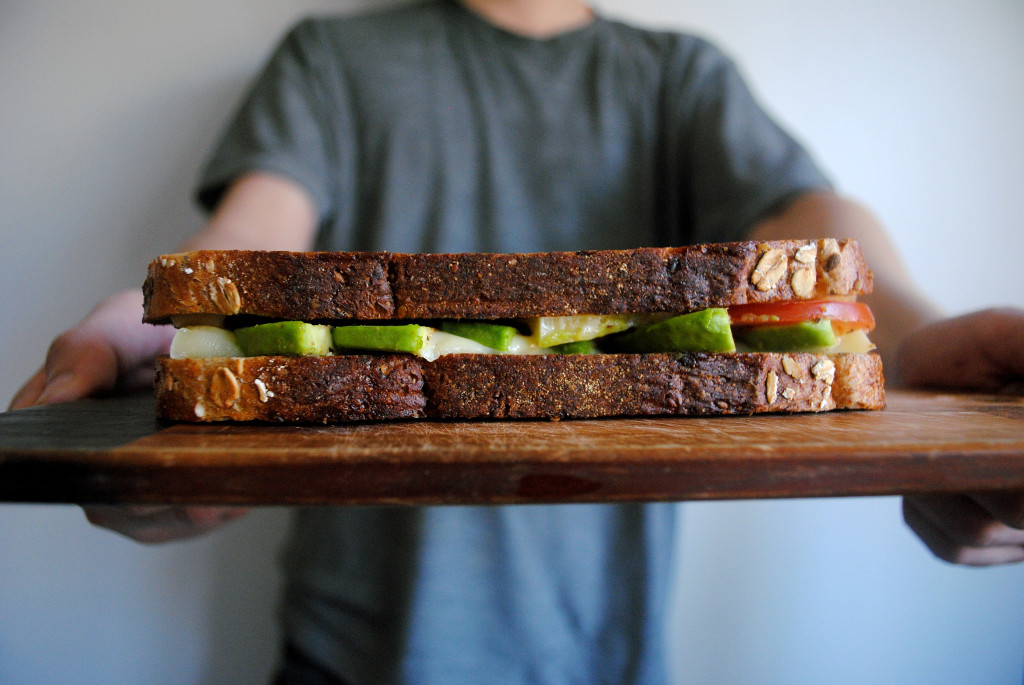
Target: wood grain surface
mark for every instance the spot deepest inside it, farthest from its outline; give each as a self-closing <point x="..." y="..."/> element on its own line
<point x="114" y="451"/>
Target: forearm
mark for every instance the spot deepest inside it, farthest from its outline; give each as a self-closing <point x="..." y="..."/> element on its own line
<point x="898" y="304"/>
<point x="260" y="211"/>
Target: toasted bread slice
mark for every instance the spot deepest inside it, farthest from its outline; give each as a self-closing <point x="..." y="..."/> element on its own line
<point x="345" y="388"/>
<point x="378" y="285"/>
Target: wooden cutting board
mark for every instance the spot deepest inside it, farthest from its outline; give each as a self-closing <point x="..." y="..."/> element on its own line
<point x="114" y="451"/>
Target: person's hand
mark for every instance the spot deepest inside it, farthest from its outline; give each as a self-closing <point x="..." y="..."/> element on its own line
<point x="111" y="350"/>
<point x="980" y="529"/>
<point x="161" y="523"/>
<point x="983" y="351"/>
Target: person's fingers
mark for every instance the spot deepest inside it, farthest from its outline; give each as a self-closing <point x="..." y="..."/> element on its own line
<point x="1006" y="507"/>
<point x="1001" y="337"/>
<point x="978" y="351"/>
<point x="958" y="530"/>
<point x="156" y="524"/>
<point x="110" y="349"/>
<point x="29" y="393"/>
<point x="78" y="365"/>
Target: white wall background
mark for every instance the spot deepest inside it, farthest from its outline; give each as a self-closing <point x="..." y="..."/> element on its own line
<point x="106" y="111"/>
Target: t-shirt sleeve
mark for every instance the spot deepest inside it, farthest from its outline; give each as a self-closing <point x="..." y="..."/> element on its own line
<point x="281" y="126"/>
<point x="736" y="164"/>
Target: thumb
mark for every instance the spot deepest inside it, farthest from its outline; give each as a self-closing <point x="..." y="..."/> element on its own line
<point x="29" y="393"/>
<point x="77" y="365"/>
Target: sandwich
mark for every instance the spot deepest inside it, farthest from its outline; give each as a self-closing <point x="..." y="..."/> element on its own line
<point x="331" y="337"/>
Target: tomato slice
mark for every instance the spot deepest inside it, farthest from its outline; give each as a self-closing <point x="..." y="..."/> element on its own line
<point x="845" y="316"/>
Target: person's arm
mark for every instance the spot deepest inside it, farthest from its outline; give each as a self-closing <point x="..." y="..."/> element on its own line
<point x="260" y="211"/>
<point x="897" y="303"/>
<point x="111" y="349"/>
<point x="980" y="351"/>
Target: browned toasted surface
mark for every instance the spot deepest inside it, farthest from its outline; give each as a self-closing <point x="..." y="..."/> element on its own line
<point x="361" y="387"/>
<point x="488" y="286"/>
<point x="294" y="285"/>
<point x="296" y="389"/>
<point x="577" y="386"/>
<point x="859" y="383"/>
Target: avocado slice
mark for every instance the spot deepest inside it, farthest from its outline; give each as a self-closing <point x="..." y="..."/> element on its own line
<point x="578" y="347"/>
<point x="806" y="336"/>
<point x="550" y="331"/>
<point x="705" y="331"/>
<point x="289" y="338"/>
<point x="399" y="338"/>
<point x="495" y="336"/>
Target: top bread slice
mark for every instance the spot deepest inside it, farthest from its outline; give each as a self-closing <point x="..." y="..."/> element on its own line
<point x="381" y="285"/>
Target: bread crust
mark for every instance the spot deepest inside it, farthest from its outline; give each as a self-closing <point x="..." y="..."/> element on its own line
<point x="345" y="388"/>
<point x="334" y="389"/>
<point x="379" y="285"/>
<point x="289" y="285"/>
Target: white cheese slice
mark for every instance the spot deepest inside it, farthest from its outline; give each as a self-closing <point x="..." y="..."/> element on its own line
<point x="439" y="344"/>
<point x="200" y="342"/>
<point x="522" y="344"/>
<point x="854" y="342"/>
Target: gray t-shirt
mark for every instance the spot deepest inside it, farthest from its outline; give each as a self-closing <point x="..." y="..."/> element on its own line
<point x="426" y="129"/>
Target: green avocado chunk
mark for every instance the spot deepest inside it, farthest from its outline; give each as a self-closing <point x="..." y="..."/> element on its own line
<point x="492" y="335"/>
<point x="550" y="331"/>
<point x="289" y="338"/>
<point x="401" y="338"/>
<point x="806" y="336"/>
<point x="578" y="347"/>
<point x="705" y="331"/>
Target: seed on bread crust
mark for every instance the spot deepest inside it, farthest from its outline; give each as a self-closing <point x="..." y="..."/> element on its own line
<point x="803" y="281"/>
<point x="224" y="296"/>
<point x="771" y="386"/>
<point x="826" y="400"/>
<point x="261" y="388"/>
<point x="825" y="371"/>
<point x="807" y="254"/>
<point x="770" y="269"/>
<point x="224" y="388"/>
<point x="831" y="255"/>
<point x="792" y="367"/>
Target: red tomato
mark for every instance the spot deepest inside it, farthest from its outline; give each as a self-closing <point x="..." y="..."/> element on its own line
<point x="845" y="316"/>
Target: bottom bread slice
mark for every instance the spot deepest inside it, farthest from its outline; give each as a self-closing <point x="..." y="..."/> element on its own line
<point x="345" y="388"/>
